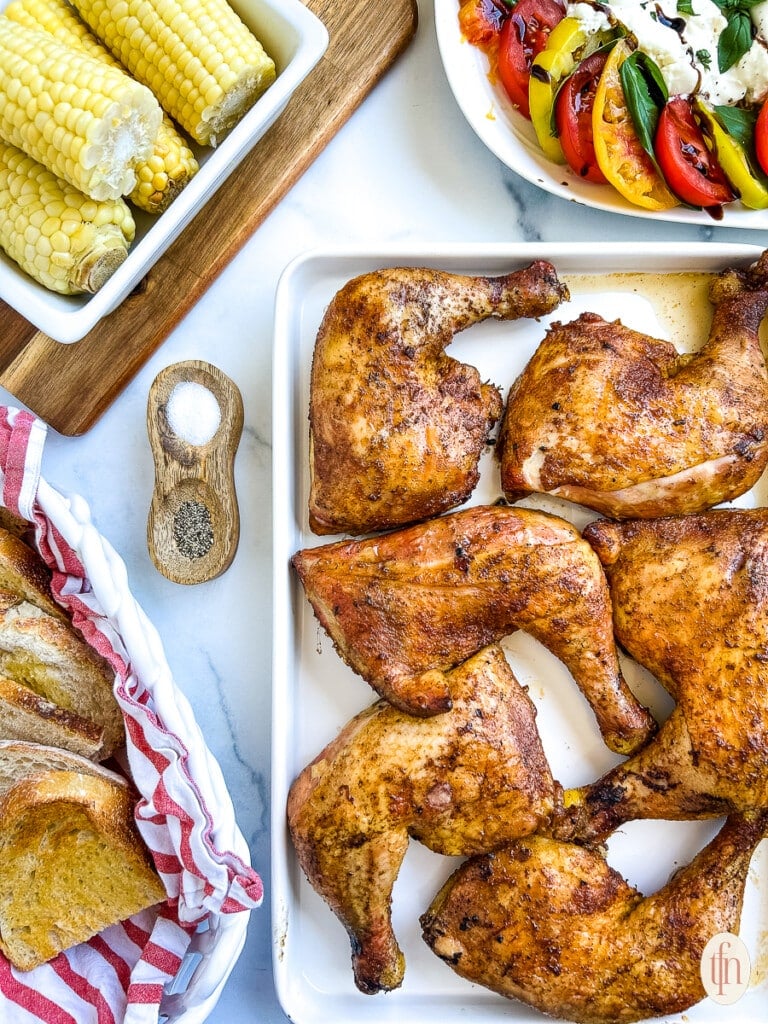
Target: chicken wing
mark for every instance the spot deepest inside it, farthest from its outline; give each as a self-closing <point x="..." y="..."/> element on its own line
<point x="404" y="608"/>
<point x="396" y="426"/>
<point x="464" y="782"/>
<point x="551" y="924"/>
<point x="620" y="422"/>
<point x="689" y="597"/>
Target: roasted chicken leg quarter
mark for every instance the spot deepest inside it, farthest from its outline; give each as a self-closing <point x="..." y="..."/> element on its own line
<point x="620" y="422"/>
<point x="405" y="607"/>
<point x="551" y="924"/>
<point x="464" y="782"/>
<point x="396" y="426"/>
<point x="689" y="596"/>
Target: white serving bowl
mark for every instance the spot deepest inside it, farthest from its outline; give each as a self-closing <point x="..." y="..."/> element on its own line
<point x="296" y="40"/>
<point x="511" y="138"/>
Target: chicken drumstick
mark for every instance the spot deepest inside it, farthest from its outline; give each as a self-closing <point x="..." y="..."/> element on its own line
<point x="405" y="607"/>
<point x="689" y="598"/>
<point x="396" y="426"/>
<point x="620" y="422"/>
<point x="464" y="782"/>
<point x="551" y="924"/>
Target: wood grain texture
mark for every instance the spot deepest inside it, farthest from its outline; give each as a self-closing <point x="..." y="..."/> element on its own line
<point x="70" y="386"/>
<point x="194" y="478"/>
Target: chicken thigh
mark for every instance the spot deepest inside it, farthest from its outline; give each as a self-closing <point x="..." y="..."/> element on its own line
<point x="462" y="783"/>
<point x="552" y="924"/>
<point x="620" y="422"/>
<point x="396" y="426"/>
<point x="689" y="597"/>
<point x="405" y="607"/>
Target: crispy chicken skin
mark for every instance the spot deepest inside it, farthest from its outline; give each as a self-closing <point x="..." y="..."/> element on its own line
<point x="404" y="608"/>
<point x="551" y="924"/>
<point x="689" y="600"/>
<point x="619" y="422"/>
<point x="462" y="783"/>
<point x="396" y="426"/>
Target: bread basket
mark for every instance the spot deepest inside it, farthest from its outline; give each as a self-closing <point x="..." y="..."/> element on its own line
<point x="203" y="859"/>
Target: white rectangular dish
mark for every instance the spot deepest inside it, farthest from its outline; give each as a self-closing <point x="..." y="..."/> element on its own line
<point x="315" y="693"/>
<point x="296" y="40"/>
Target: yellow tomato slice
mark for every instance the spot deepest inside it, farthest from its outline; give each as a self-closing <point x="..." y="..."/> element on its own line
<point x="733" y="160"/>
<point x="549" y="69"/>
<point x="619" y="152"/>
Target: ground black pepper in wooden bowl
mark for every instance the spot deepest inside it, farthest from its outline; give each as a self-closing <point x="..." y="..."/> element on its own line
<point x="193" y="529"/>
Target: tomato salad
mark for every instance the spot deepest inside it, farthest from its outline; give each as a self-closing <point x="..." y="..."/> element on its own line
<point x="662" y="127"/>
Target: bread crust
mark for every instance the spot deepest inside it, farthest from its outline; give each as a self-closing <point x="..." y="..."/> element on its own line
<point x="21" y="758"/>
<point x="71" y="861"/>
<point x="46" y="655"/>
<point x="23" y="571"/>
<point x="25" y="715"/>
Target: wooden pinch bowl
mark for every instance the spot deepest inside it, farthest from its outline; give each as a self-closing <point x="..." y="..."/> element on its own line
<point x="193" y="527"/>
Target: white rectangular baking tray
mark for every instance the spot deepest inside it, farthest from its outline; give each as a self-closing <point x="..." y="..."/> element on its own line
<point x="295" y="39"/>
<point x="314" y="693"/>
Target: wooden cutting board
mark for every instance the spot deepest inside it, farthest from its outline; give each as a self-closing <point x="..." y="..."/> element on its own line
<point x="70" y="386"/>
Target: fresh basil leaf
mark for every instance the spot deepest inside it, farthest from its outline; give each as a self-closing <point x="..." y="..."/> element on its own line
<point x="738" y="123"/>
<point x="726" y="6"/>
<point x="656" y="82"/>
<point x="645" y="93"/>
<point x="685" y="7"/>
<point x="704" y="57"/>
<point x="734" y="41"/>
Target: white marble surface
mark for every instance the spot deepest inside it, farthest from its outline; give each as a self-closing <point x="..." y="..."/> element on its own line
<point x="405" y="168"/>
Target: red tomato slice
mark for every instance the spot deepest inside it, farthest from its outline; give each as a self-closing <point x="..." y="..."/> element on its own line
<point x="691" y="170"/>
<point x="573" y="117"/>
<point x="523" y="37"/>
<point x="761" y="137"/>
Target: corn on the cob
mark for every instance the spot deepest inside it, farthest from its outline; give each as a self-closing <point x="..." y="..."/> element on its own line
<point x="172" y="163"/>
<point x="60" y="237"/>
<point x="87" y="122"/>
<point x="198" y="58"/>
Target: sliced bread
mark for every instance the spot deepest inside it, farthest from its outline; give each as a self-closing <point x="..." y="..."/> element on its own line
<point x="15" y="524"/>
<point x="71" y="860"/>
<point x="49" y="657"/>
<point x="25" y="715"/>
<point x="20" y="759"/>
<point x="22" y="571"/>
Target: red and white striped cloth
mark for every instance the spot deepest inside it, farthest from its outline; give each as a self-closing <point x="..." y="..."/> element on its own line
<point x="118" y="977"/>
